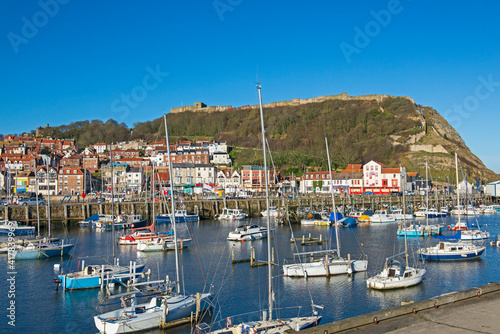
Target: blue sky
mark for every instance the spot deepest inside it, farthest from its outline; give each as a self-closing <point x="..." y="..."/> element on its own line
<point x="71" y="60"/>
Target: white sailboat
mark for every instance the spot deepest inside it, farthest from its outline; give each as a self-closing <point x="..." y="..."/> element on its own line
<point x="267" y="324"/>
<point x="396" y="275"/>
<point x="331" y="262"/>
<point x="162" y="309"/>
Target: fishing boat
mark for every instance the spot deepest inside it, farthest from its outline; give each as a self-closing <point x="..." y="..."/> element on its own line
<point x="448" y="251"/>
<point x="247" y="232"/>
<point x="13" y="227"/>
<point x="181" y="216"/>
<point x="231" y="214"/>
<point x="267" y="324"/>
<point x="330" y="261"/>
<point x="381" y="216"/>
<point x="169" y="306"/>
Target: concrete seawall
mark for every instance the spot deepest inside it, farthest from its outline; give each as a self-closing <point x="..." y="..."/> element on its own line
<point x="207" y="209"/>
<point x="466" y="311"/>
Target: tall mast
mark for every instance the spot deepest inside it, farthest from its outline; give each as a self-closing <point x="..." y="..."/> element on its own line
<point x="154" y="191"/>
<point x="112" y="199"/>
<point x="269" y="266"/>
<point x="48" y="197"/>
<point x="427" y="191"/>
<point x="37" y="204"/>
<point x="337" y="237"/>
<point x="170" y="171"/>
<point x="458" y="194"/>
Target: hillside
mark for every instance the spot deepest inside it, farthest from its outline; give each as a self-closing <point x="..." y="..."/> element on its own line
<point x="391" y="130"/>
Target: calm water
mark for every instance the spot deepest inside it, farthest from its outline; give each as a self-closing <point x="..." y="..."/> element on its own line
<point x="239" y="288"/>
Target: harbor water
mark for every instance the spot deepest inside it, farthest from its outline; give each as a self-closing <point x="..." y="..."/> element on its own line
<point x="238" y="288"/>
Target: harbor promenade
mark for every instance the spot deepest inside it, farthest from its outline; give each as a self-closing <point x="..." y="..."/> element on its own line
<point x="470" y="311"/>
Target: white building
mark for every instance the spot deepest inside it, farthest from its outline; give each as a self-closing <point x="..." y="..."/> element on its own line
<point x="220" y="159"/>
<point x="135" y="179"/>
<point x="493" y="189"/>
<point x="228" y="180"/>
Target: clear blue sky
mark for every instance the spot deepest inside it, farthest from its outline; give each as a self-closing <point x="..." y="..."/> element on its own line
<point x="79" y="60"/>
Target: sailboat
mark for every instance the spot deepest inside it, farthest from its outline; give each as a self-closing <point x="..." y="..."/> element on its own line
<point x="267" y="324"/>
<point x="170" y="306"/>
<point x="42" y="248"/>
<point x="95" y="276"/>
<point x="330" y="263"/>
<point x="446" y="251"/>
<point x="396" y="275"/>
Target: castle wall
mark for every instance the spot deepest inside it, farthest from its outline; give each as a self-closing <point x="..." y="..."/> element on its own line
<point x="293" y="102"/>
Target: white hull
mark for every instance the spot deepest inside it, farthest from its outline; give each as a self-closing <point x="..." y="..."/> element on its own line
<point x="128" y="320"/>
<point x="380" y="282"/>
<point x="318" y="268"/>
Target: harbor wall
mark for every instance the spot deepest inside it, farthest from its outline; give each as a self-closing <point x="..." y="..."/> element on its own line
<point x="207" y="209"/>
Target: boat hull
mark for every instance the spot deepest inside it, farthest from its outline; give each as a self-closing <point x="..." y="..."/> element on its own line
<point x="318" y="268"/>
<point x="446" y="256"/>
<point x="179" y="307"/>
<point x="394" y="282"/>
<point x="42" y="253"/>
<point x="92" y="281"/>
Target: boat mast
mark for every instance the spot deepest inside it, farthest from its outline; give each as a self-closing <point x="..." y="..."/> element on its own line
<point x="48" y="198"/>
<point x="458" y="194"/>
<point x="268" y="219"/>
<point x="37" y="204"/>
<point x="154" y="190"/>
<point x="170" y="171"/>
<point x="337" y="237"/>
<point x="427" y="192"/>
<point x="112" y="201"/>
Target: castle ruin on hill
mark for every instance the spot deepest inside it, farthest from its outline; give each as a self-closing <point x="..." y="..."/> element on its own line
<point x="201" y="107"/>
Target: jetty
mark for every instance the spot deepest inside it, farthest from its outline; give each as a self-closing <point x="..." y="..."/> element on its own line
<point x="471" y="311"/>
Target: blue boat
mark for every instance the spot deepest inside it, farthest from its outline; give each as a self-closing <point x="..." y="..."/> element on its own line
<point x="451" y="251"/>
<point x="181" y="216"/>
<point x="41" y="250"/>
<point x="11" y="226"/>
<point x="90" y="276"/>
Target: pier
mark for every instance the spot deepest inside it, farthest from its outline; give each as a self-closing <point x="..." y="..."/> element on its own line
<point x="208" y="208"/>
<point x="470" y="311"/>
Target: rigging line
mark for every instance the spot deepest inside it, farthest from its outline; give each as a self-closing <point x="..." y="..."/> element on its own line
<point x="468" y="195"/>
<point x="197" y="250"/>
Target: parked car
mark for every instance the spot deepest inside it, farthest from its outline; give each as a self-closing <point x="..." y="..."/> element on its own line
<point x="32" y="201"/>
